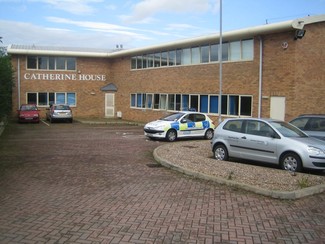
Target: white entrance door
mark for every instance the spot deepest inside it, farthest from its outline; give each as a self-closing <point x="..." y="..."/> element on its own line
<point x="278" y="108"/>
<point x="109" y="104"/>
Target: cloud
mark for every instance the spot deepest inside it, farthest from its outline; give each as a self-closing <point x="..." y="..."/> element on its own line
<point x="29" y="34"/>
<point x="178" y="27"/>
<point x="147" y="8"/>
<point x="78" y="7"/>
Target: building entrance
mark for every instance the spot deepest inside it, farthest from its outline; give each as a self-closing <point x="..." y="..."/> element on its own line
<point x="109" y="105"/>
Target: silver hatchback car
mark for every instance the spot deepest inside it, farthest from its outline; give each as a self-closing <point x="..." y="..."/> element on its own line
<point x="269" y="141"/>
<point x="59" y="112"/>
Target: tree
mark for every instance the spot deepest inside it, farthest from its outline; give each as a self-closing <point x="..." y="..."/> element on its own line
<point x="6" y="83"/>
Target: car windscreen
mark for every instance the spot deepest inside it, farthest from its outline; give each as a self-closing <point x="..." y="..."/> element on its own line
<point x="172" y="117"/>
<point x="287" y="129"/>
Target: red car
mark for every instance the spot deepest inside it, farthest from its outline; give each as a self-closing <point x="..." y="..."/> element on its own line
<point x="28" y="113"/>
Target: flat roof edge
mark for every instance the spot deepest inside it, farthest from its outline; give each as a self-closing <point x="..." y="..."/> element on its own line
<point x="230" y="35"/>
<point x="12" y="50"/>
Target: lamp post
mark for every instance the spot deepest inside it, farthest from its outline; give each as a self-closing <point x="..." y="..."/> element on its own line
<point x="220" y="64"/>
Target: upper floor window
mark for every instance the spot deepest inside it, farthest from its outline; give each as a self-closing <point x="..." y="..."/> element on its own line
<point x="237" y="51"/>
<point x="51" y="63"/>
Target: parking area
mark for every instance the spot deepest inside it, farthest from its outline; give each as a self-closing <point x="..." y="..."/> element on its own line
<point x="99" y="183"/>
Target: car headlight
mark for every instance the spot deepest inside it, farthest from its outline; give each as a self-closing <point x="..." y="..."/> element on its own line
<point x="315" y="151"/>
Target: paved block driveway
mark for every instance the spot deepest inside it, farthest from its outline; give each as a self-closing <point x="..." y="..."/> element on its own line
<point x="77" y="183"/>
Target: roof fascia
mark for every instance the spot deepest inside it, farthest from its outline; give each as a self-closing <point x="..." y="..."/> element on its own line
<point x="227" y="36"/>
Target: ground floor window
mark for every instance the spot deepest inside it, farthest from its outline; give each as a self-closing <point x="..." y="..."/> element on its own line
<point x="47" y="98"/>
<point x="232" y="105"/>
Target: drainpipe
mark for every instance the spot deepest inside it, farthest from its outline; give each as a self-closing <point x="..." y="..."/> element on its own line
<point x="18" y="81"/>
<point x="260" y="79"/>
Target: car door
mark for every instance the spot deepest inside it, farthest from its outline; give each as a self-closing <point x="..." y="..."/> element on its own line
<point x="258" y="142"/>
<point x="232" y="136"/>
<point x="198" y="128"/>
<point x="191" y="125"/>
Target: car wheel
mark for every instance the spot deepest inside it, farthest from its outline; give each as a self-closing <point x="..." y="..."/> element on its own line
<point x="171" y="135"/>
<point x="208" y="134"/>
<point x="220" y="152"/>
<point x="291" y="162"/>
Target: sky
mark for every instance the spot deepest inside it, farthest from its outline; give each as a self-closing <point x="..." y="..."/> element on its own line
<point x="107" y="24"/>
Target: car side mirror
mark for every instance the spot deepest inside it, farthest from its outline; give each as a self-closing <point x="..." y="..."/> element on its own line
<point x="184" y="121"/>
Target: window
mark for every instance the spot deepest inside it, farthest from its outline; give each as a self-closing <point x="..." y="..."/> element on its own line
<point x="178" y="57"/>
<point x="235" y="51"/>
<point x="139" y="62"/>
<point x="164" y="58"/>
<point x="204" y="99"/>
<point x="60" y="98"/>
<point x="239" y="50"/>
<point x="214" y="104"/>
<point x="214" y="53"/>
<point x="195" y="53"/>
<point x="171" y="102"/>
<point x="48" y="98"/>
<point x="145" y="61"/>
<point x="233" y="125"/>
<point x="51" y="63"/>
<point x="205" y="54"/>
<point x="133" y="63"/>
<point x="149" y="101"/>
<point x="185" y="102"/>
<point x="172" y="58"/>
<point x="156" y="101"/>
<point x="248" y="49"/>
<point x="232" y="105"/>
<point x="225" y="51"/>
<point x="186" y="56"/>
<point x="194" y="102"/>
<point x="245" y="105"/>
<point x="141" y="100"/>
<point x="71" y="64"/>
<point x="43" y="63"/>
<point x="42" y="99"/>
<point x="163" y="101"/>
<point x="32" y="98"/>
<point x="31" y="62"/>
<point x="157" y="60"/>
<point x="259" y="129"/>
<point x="71" y="99"/>
<point x="132" y="100"/>
<point x="178" y="102"/>
<point x="224" y="104"/>
<point x="150" y="61"/>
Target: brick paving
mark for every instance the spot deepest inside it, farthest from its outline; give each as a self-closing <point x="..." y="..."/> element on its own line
<point x="77" y="183"/>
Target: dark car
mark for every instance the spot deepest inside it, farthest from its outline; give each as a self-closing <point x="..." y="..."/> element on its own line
<point x="28" y="113"/>
<point x="59" y="112"/>
<point x="312" y="124"/>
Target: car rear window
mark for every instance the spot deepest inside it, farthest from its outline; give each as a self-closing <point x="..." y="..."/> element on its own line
<point x="62" y="107"/>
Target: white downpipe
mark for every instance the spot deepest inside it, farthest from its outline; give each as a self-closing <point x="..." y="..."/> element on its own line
<point x="260" y="83"/>
<point x="18" y="81"/>
<point x="220" y="65"/>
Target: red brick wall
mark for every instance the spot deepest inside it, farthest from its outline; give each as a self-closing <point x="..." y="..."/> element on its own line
<point x="296" y="72"/>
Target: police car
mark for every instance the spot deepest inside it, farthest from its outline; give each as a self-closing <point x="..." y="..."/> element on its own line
<point x="181" y="124"/>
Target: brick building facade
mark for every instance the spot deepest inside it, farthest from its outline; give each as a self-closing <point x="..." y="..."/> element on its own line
<point x="267" y="71"/>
